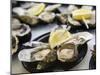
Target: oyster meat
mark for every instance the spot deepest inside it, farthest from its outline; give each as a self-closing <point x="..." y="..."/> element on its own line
<point x="47" y="16"/>
<point x="68" y="52"/>
<point x="49" y="59"/>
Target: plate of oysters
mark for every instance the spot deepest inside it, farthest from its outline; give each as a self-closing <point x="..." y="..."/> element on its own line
<point x="51" y="37"/>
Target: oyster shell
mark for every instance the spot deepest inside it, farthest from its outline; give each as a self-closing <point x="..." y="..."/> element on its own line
<point x="47" y="16"/>
<point x="15" y="23"/>
<point x="14" y="44"/>
<point x="67" y="9"/>
<point x="52" y="7"/>
<point x="23" y="33"/>
<point x="34" y="54"/>
<point x="29" y="20"/>
<point x="87" y="7"/>
<point x="71" y="8"/>
<point x="19" y="11"/>
<point x="34" y="44"/>
<point x="28" y="5"/>
<point x="80" y="37"/>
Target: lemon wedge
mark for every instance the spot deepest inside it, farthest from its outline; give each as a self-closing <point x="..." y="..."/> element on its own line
<point x="57" y="37"/>
<point x="36" y="10"/>
<point x="81" y="13"/>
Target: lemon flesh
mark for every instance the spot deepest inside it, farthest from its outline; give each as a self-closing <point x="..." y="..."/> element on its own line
<point x="81" y="13"/>
<point x="36" y="10"/>
<point x="57" y="37"/>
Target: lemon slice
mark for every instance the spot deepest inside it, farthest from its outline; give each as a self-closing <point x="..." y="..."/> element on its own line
<point x="80" y="13"/>
<point x="57" y="37"/>
<point x="36" y="10"/>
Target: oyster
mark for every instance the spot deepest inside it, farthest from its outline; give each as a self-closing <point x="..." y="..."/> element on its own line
<point x="49" y="60"/>
<point x="80" y="37"/>
<point x="47" y="16"/>
<point x="68" y="52"/>
<point x="15" y="23"/>
<point x="14" y="44"/>
<point x="62" y="18"/>
<point x="19" y="11"/>
<point x="29" y="20"/>
<point x="34" y="54"/>
<point x="42" y="55"/>
<point x="22" y="31"/>
<point x="52" y="7"/>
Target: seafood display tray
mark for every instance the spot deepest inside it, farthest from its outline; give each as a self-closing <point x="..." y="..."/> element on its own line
<point x="17" y="67"/>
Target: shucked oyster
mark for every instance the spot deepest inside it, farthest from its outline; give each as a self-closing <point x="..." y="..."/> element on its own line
<point x="34" y="54"/>
<point x="80" y="37"/>
<point x="43" y="55"/>
<point x="47" y="16"/>
<point x="22" y="31"/>
<point x="68" y="52"/>
<point x="49" y="59"/>
<point x="29" y="20"/>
